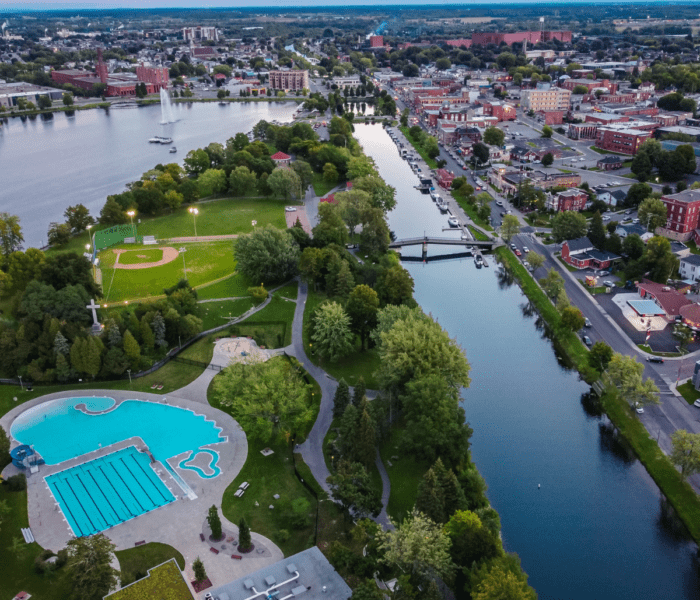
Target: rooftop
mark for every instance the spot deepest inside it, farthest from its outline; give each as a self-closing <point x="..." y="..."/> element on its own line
<point x="684" y="196"/>
<point x="164" y="581"/>
<point x="666" y="297"/>
<point x="692" y="259"/>
<point x="308" y="575"/>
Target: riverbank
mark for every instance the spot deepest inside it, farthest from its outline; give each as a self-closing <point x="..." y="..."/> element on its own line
<point x="679" y="493"/>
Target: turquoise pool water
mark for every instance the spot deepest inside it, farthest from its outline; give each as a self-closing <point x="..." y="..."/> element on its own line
<point x="59" y="431"/>
<point x="212" y="464"/>
<point x="108" y="490"/>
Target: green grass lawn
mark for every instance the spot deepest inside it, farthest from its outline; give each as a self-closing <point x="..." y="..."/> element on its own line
<point x="471" y="211"/>
<point x="689" y="393"/>
<point x="18" y="572"/>
<point x="272" y="326"/>
<point x="352" y="367"/>
<point x="429" y="161"/>
<point x="289" y="291"/>
<point x="479" y="236"/>
<point x="321" y="186"/>
<point x="234" y="286"/>
<point x="269" y="475"/>
<point x="213" y="314"/>
<point x="204" y="262"/>
<point x="404" y="475"/>
<point x="135" y="562"/>
<point x="140" y="255"/>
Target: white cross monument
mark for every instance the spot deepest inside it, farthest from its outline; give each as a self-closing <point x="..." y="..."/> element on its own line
<point x="96" y="327"/>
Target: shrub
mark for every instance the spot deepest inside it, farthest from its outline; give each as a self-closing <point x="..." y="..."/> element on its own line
<point x="16" y="483"/>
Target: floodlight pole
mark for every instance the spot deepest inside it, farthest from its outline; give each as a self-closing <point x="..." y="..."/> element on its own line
<point x="184" y="268"/>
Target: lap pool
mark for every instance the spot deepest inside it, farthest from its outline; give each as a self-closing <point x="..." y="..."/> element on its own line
<point x="108" y="490"/>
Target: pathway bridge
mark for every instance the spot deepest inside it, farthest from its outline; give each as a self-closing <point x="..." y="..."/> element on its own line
<point x="487" y="245"/>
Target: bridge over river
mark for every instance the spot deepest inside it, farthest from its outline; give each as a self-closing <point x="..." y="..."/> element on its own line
<point x="488" y="245"/>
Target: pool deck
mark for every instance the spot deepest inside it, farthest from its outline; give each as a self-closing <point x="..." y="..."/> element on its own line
<point x="178" y="524"/>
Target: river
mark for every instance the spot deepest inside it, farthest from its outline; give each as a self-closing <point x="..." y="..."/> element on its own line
<point x="596" y="527"/>
<point x="50" y="162"/>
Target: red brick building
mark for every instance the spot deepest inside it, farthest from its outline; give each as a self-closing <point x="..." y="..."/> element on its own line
<point x="682" y="211"/>
<point x="624" y="141"/>
<point x="376" y="41"/>
<point x="445" y="178"/>
<point x="589" y="84"/>
<point x="459" y="43"/>
<point x="157" y="77"/>
<point x="609" y="163"/>
<point x="500" y="110"/>
<point x="552" y="117"/>
<point x="581" y="253"/>
<point x="571" y="199"/>
<point x="532" y="37"/>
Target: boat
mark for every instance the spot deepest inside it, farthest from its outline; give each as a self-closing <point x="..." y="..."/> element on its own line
<point x="443" y="207"/>
<point x="453" y="222"/>
<point x="160" y="140"/>
<point x="173" y="150"/>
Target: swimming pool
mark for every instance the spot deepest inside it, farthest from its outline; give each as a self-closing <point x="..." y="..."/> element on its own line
<point x="59" y="431"/>
<point x="108" y="490"/>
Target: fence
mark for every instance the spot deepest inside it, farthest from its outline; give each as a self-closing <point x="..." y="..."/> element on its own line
<point x="112" y="236"/>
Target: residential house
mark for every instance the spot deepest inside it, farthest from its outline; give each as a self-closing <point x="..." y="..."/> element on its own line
<point x="634" y="228"/>
<point x="571" y="199"/>
<point x="690" y="267"/>
<point x="611" y="198"/>
<point x="445" y="178"/>
<point x="610" y="162"/>
<point x="581" y="253"/>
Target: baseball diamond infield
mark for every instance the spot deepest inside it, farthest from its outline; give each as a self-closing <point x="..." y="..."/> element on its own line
<point x="169" y="255"/>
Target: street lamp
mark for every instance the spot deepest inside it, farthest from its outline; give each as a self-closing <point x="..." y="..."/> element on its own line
<point x="194" y="212"/>
<point x="184" y="269"/>
<point x="88" y="228"/>
<point x="20" y="382"/>
<point x="131" y="214"/>
<point x="129" y="372"/>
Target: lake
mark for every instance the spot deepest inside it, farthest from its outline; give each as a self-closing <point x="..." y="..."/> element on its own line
<point x="596" y="527"/>
<point x="54" y="161"/>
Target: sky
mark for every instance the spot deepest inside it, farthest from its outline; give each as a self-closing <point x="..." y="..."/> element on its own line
<point x="109" y="4"/>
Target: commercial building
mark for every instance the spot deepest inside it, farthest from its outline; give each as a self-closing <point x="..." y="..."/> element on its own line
<point x="682" y="213"/>
<point x="289" y="80"/>
<point x="571" y="199"/>
<point x="553" y="98"/>
<point x="10" y="93"/>
<point x="532" y="37"/>
<point x="624" y="141"/>
<point x="589" y="84"/>
<point x="200" y="34"/>
<point x="376" y="41"/>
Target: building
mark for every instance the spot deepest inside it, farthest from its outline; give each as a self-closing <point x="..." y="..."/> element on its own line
<point x="589" y="84"/>
<point x="280" y="158"/>
<point x="531" y="37"/>
<point x="376" y="41"/>
<point x="444" y="178"/>
<point x="349" y="81"/>
<point x="501" y="110"/>
<point x="624" y="141"/>
<point x="551" y="117"/>
<point x="667" y="298"/>
<point x="200" y="34"/>
<point x="289" y="80"/>
<point x="546" y="99"/>
<point x="682" y="212"/>
<point x="10" y="93"/>
<point x="571" y="199"/>
<point x="633" y="229"/>
<point x="690" y="268"/>
<point x="307" y="574"/>
<point x="166" y="576"/>
<point x="157" y="77"/>
<point x="609" y="163"/>
<point x="582" y="254"/>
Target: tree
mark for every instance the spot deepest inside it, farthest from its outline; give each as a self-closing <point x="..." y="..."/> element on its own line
<point x="430" y="499"/>
<point x="267" y="255"/>
<point x="172" y="199"/>
<point x="600" y="355"/>
<point x="471" y="541"/>
<point x="89" y="558"/>
<point x="200" y="573"/>
<point x="637" y="193"/>
<point x="652" y="212"/>
<point x="112" y="213"/>
<point x="212" y="181"/>
<point x="625" y="374"/>
<point x="304" y="171"/>
<point x="269" y="399"/>
<point x="362" y="307"/>
<point x="367" y="590"/>
<point x="374" y="237"/>
<point x="284" y="182"/>
<point x="659" y="259"/>
<point x="683" y="334"/>
<point x="547" y="159"/>
<point x="341" y="399"/>
<point x="403" y="359"/>
<point x="501" y="584"/>
<point x="58" y="234"/>
<point x="351" y="485"/>
<point x="535" y="260"/>
<point x="331" y="332"/>
<point x="11" y="237"/>
<point x="443" y="64"/>
<point x="633" y="246"/>
<point x="244" y="540"/>
<point x="78" y="217"/>
<point x="330" y="173"/>
<point x="196" y="162"/>
<point x="596" y="231"/>
<point x="417" y="546"/>
<point x="642" y="166"/>
<point x="68" y="99"/>
<point x="480" y="152"/>
<point x="494" y="136"/>
<point x="132" y="349"/>
<point x="44" y="102"/>
<point x="572" y="318"/>
<point x="435" y="422"/>
<point x="568" y="225"/>
<point x="553" y="283"/>
<point x="685" y="452"/>
<point x="242" y="181"/>
<point x="395" y="285"/>
<point x="214" y="523"/>
<point x="510" y="227"/>
<point x="547" y="131"/>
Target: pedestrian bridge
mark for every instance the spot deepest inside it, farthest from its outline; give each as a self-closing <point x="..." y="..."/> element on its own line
<point x="442" y="241"/>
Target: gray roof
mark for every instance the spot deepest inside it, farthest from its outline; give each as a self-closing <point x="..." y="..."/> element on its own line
<point x="309" y="571"/>
<point x="602" y="255"/>
<point x="619" y="194"/>
<point x="633" y="228"/>
<point x="610" y="159"/>
<point x="685" y="196"/>
<point x="579" y="244"/>
<point x="692" y="259"/>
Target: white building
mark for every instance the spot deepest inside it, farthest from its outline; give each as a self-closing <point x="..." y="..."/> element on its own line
<point x="200" y="34"/>
<point x="690" y="267"/>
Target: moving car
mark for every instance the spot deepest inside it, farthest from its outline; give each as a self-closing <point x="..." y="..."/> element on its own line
<point x="587" y="341"/>
<point x="638" y="408"/>
<point x="655" y="359"/>
<point x="586" y="322"/>
<point x="518" y="253"/>
<point x="526" y="249"/>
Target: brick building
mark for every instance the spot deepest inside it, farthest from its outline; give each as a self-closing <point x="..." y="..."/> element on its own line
<point x="532" y="37"/>
<point x="546" y="99"/>
<point x="376" y="41"/>
<point x="624" y="141"/>
<point x="500" y="110"/>
<point x="289" y="80"/>
<point x="157" y="77"/>
<point x="551" y="117"/>
<point x="683" y="211"/>
<point x="589" y="84"/>
<point x="582" y="254"/>
<point x="609" y="163"/>
<point x="571" y="199"/>
<point x="445" y="178"/>
<point x="583" y="131"/>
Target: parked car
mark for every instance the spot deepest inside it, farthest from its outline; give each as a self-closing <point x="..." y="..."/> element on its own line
<point x="290" y="209"/>
<point x="697" y="403"/>
<point x="518" y="253"/>
<point x="499" y="203"/>
<point x="587" y="341"/>
<point x="609" y="284"/>
<point x="606" y="218"/>
<point x="638" y="408"/>
<point x="655" y="359"/>
<point x="526" y="249"/>
<point x="512" y="246"/>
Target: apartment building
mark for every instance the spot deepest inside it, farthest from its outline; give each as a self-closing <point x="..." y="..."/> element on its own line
<point x="545" y="99"/>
